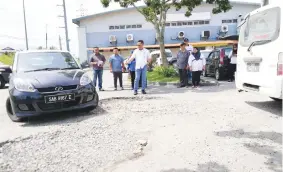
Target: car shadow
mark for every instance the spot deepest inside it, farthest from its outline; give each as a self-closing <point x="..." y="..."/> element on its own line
<point x="269" y="106"/>
<point x="207" y="167"/>
<point x="63" y="117"/>
<point x="273" y="155"/>
<point x="204" y="88"/>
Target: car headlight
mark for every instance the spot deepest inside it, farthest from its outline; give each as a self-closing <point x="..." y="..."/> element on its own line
<point x="22" y="85"/>
<point x="85" y="80"/>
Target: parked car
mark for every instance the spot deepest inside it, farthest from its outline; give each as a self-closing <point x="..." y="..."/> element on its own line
<point x="217" y="63"/>
<point x="5" y="72"/>
<point x="45" y="82"/>
<point x="205" y="53"/>
<point x="156" y="57"/>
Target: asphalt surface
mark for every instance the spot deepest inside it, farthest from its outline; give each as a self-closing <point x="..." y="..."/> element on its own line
<point x="215" y="129"/>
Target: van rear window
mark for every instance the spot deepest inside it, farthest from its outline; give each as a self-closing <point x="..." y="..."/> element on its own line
<point x="261" y="26"/>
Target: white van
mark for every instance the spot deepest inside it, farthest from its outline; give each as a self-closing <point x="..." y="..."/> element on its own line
<point x="157" y="55"/>
<point x="260" y="52"/>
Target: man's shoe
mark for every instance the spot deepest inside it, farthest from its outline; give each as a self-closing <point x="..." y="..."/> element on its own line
<point x="135" y="92"/>
<point x="143" y="92"/>
<point x="101" y="89"/>
<point x="115" y="89"/>
<point x="122" y="88"/>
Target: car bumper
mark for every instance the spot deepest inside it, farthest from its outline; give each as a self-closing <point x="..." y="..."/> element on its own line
<point x="275" y="90"/>
<point x="35" y="105"/>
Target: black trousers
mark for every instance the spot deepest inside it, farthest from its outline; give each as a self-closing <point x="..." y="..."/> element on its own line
<point x="231" y="71"/>
<point x="183" y="73"/>
<point x="196" y="77"/>
<point x="118" y="75"/>
<point x="133" y="76"/>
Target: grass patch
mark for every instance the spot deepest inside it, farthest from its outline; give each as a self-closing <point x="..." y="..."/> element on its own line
<point x="154" y="76"/>
<point x="6" y="59"/>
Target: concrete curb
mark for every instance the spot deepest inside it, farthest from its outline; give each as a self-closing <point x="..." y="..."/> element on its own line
<point x="203" y="81"/>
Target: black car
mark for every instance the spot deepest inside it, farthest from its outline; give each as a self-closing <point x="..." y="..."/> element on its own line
<point x="44" y="82"/>
<point x="217" y="63"/>
<point x="5" y="72"/>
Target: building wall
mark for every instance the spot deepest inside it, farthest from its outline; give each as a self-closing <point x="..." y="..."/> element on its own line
<point x="97" y="29"/>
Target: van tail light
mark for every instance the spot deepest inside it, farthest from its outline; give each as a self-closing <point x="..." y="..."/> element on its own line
<point x="222" y="55"/>
<point x="280" y="65"/>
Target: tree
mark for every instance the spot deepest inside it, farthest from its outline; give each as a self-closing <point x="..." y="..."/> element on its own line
<point x="155" y="12"/>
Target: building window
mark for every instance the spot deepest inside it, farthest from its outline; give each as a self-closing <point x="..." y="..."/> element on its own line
<point x="174" y="24"/>
<point x="134" y="26"/>
<point x="185" y="23"/>
<point x="206" y="22"/>
<point x="167" y="24"/>
<point x="190" y="23"/>
<point x="111" y="27"/>
<point x="201" y="22"/>
<point x="139" y="26"/>
<point x="179" y="24"/>
<point x="195" y="22"/>
<point x="129" y="26"/>
<point x="122" y="26"/>
<point x="235" y="21"/>
<point x="117" y="27"/>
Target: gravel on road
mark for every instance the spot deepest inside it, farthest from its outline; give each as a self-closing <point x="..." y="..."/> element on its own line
<point x="214" y="129"/>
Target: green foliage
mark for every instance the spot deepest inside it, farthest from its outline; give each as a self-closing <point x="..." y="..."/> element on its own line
<point x="7" y="59"/>
<point x="165" y="71"/>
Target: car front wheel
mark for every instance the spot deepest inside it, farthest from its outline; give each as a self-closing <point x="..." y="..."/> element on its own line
<point x="10" y="112"/>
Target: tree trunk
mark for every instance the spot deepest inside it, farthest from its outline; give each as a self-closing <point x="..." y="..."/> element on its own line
<point x="160" y="38"/>
<point x="162" y="53"/>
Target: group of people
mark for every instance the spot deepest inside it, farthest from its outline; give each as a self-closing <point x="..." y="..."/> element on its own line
<point x="190" y="63"/>
<point x="137" y="66"/>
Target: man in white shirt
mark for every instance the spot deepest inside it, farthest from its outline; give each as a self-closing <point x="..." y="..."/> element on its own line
<point x="142" y="57"/>
<point x="189" y="48"/>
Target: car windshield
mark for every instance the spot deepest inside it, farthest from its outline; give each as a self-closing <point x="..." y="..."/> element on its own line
<point x="227" y="51"/>
<point x="45" y="61"/>
<point x="205" y="53"/>
<point x="168" y="54"/>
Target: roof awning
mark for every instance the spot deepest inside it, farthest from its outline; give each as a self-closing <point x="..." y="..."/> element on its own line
<point x="193" y="17"/>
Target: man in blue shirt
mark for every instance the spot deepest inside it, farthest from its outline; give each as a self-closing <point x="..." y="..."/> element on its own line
<point x="117" y="67"/>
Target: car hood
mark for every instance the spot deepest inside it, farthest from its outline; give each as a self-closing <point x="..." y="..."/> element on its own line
<point x="43" y="79"/>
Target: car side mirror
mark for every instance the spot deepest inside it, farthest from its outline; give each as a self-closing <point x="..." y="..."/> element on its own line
<point x="84" y="66"/>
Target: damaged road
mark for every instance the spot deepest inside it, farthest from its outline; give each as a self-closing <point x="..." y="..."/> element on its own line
<point x="168" y="130"/>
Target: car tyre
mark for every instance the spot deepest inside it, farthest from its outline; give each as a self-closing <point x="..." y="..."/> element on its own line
<point x="276" y="99"/>
<point x="218" y="76"/>
<point x="91" y="108"/>
<point x="2" y="82"/>
<point x="10" y="112"/>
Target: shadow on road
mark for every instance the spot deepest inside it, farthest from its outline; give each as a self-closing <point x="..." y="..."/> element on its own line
<point x="263" y="135"/>
<point x="274" y="158"/>
<point x="269" y="106"/>
<point x="208" y="167"/>
<point x="205" y="88"/>
<point x="63" y="117"/>
<point x="273" y="155"/>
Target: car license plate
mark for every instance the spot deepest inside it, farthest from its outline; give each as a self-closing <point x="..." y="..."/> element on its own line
<point x="59" y="98"/>
<point x="253" y="67"/>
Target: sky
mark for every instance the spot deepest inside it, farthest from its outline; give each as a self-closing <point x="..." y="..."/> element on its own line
<point x="42" y="15"/>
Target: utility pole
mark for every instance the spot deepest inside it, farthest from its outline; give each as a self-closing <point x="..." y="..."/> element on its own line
<point x="66" y="24"/>
<point x="46" y="38"/>
<point x="60" y="42"/>
<point x="25" y="23"/>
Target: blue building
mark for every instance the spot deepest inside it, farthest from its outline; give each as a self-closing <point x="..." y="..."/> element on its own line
<point x="124" y="27"/>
